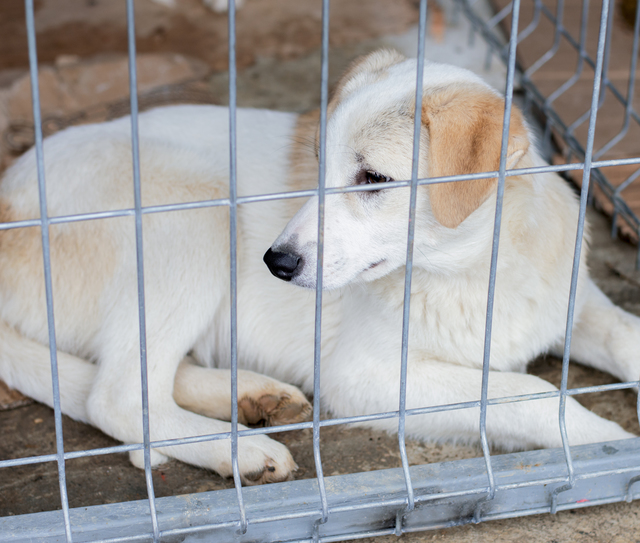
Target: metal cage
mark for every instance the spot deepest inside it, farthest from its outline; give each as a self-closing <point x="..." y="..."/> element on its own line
<point x="389" y="501"/>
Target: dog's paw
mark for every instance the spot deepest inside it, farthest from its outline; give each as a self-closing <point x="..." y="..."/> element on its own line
<point x="264" y="460"/>
<point x="137" y="458"/>
<point x="274" y="407"/>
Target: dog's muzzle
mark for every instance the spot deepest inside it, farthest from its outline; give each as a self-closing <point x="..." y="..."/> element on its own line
<point x="284" y="266"/>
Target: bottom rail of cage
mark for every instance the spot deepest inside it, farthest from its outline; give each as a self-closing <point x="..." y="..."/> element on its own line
<point x="361" y="504"/>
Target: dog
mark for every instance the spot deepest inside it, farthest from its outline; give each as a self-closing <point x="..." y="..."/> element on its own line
<point x="184" y="158"/>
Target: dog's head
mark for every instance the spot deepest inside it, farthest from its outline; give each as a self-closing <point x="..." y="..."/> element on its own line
<point x="370" y="141"/>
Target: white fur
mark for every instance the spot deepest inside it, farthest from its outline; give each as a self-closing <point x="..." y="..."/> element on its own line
<point x="184" y="157"/>
<point x="215" y="5"/>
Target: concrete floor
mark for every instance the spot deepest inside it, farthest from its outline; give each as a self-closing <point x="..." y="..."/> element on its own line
<point x="292" y="84"/>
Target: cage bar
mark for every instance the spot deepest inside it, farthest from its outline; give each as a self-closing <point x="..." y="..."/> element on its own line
<point x="317" y="334"/>
<point x="382" y="502"/>
<point x="135" y="152"/>
<point x="406" y="302"/>
<point x="545" y="104"/>
<point x="362" y="504"/>
<point x="46" y="256"/>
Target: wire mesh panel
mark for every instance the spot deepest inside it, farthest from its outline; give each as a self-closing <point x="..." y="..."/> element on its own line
<point x="550" y="89"/>
<point x="389" y="501"/>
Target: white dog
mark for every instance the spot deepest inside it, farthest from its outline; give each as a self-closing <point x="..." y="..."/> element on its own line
<point x="184" y="157"/>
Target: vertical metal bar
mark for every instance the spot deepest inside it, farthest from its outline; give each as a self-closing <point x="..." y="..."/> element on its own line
<point x="417" y="125"/>
<point x="322" y="159"/>
<point x="586" y="175"/>
<point x="638" y="268"/>
<point x="508" y="103"/>
<point x="135" y="152"/>
<point x="46" y="256"/>
<point x="632" y="481"/>
<point x="233" y="244"/>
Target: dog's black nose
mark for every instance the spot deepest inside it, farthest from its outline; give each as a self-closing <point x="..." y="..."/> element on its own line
<point x="284" y="266"/>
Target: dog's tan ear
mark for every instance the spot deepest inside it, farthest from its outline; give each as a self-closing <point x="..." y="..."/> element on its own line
<point x="465" y="136"/>
<point x="363" y="70"/>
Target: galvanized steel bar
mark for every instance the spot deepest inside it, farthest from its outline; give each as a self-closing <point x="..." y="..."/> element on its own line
<point x="360" y="504"/>
<point x="135" y="152"/>
<point x="486" y="359"/>
<point x="324" y="509"/>
<point x="46" y="256"/>
<point x="415" y="163"/>
<point x="233" y="269"/>
<point x="221" y="202"/>
<point x="534" y="95"/>
<point x="578" y="249"/>
<point x="323" y="423"/>
<point x="317" y="341"/>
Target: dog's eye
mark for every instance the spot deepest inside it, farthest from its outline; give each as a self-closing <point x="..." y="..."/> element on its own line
<point x="375" y="177"/>
<point x="370" y="177"/>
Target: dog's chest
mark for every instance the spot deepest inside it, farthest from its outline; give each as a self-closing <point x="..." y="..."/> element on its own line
<point x="448" y="322"/>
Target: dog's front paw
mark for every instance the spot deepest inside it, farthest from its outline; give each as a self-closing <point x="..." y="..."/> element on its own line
<point x="274" y="407"/>
<point x="263" y="460"/>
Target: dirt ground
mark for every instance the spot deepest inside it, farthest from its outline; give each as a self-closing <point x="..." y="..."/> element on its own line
<point x="280" y="29"/>
<point x="279" y="59"/>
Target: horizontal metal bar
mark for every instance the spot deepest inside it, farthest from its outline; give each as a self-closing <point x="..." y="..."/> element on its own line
<point x="323" y="423"/>
<point x="61" y="219"/>
<point x="603" y="472"/>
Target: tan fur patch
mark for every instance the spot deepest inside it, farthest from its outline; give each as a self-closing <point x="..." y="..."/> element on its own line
<point x="303" y="171"/>
<point x="303" y="159"/>
<point x="81" y="251"/>
<point x="465" y="134"/>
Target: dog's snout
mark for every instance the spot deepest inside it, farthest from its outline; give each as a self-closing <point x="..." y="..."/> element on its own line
<point x="284" y="266"/>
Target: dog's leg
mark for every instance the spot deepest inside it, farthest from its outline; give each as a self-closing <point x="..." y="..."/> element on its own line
<point x="207" y="391"/>
<point x="115" y="407"/>
<point x="25" y="365"/>
<point x="606" y="337"/>
<point x="524" y="424"/>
